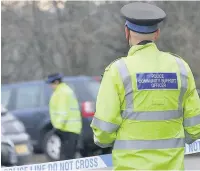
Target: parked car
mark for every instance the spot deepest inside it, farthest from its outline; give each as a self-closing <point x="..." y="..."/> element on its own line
<point x="8" y="153"/>
<point x="29" y="102"/>
<point x="14" y="135"/>
<point x="97" y="78"/>
<point x="198" y="90"/>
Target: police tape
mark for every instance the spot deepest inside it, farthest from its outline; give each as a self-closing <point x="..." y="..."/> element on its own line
<point x="95" y="162"/>
<point x="192" y="148"/>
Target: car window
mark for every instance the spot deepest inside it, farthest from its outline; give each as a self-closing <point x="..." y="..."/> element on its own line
<point x="29" y="97"/>
<point x="93" y="87"/>
<point x="5" y="96"/>
<point x="48" y="93"/>
<point x="86" y="90"/>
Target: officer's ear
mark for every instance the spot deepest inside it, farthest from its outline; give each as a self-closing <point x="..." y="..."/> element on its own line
<point x="127" y="32"/>
<point x="157" y="35"/>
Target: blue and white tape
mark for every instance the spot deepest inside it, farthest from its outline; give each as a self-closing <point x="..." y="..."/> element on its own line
<point x="95" y="162"/>
<point x="75" y="164"/>
<point x="192" y="148"/>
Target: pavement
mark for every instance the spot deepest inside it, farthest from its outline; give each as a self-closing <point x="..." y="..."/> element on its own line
<point x="192" y="162"/>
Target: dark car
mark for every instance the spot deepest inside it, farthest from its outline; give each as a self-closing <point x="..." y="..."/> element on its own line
<point x="29" y="102"/>
<point x="13" y="134"/>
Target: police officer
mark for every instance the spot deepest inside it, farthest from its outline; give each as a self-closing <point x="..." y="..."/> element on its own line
<point x="65" y="115"/>
<point x="147" y="101"/>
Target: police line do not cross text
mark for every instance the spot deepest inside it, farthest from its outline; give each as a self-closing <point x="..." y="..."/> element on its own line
<point x="76" y="164"/>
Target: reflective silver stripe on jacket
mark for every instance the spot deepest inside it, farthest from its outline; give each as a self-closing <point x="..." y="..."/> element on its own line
<point x="149" y="144"/>
<point x="101" y="144"/>
<point x="63" y="112"/>
<point x="127" y="81"/>
<point x="184" y="76"/>
<point x="152" y="115"/>
<point x="59" y="113"/>
<point x="193" y="121"/>
<point x="74" y="108"/>
<point x="104" y="126"/>
<point x="70" y="120"/>
<point x="129" y="113"/>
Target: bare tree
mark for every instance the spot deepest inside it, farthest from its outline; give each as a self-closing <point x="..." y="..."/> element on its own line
<point x="84" y="37"/>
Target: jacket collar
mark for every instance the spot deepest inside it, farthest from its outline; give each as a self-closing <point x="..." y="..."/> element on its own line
<point x="59" y="86"/>
<point x="141" y="45"/>
<point x="144" y="42"/>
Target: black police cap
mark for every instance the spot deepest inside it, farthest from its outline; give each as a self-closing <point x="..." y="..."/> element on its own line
<point x="143" y="14"/>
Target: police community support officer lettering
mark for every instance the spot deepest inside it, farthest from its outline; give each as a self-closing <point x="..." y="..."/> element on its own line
<point x="157" y="80"/>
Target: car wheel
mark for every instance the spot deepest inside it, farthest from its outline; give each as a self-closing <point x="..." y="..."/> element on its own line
<point x="52" y="145"/>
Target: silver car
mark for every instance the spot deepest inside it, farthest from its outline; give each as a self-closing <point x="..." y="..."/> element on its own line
<point x="8" y="153"/>
<point x="13" y="131"/>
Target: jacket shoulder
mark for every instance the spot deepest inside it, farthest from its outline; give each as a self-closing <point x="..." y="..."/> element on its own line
<point x="187" y="67"/>
<point x="175" y="55"/>
<point x="111" y="64"/>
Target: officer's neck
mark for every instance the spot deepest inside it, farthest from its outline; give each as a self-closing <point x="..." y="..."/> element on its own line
<point x="143" y="42"/>
<point x="134" y="42"/>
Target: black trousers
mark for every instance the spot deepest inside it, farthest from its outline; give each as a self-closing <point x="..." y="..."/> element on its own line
<point x="68" y="145"/>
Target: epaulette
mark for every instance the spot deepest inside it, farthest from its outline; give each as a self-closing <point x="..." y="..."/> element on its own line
<point x="175" y="55"/>
<point x="108" y="67"/>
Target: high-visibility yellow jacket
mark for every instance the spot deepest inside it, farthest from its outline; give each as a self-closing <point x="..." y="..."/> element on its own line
<point x="146" y="103"/>
<point x="64" y="110"/>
